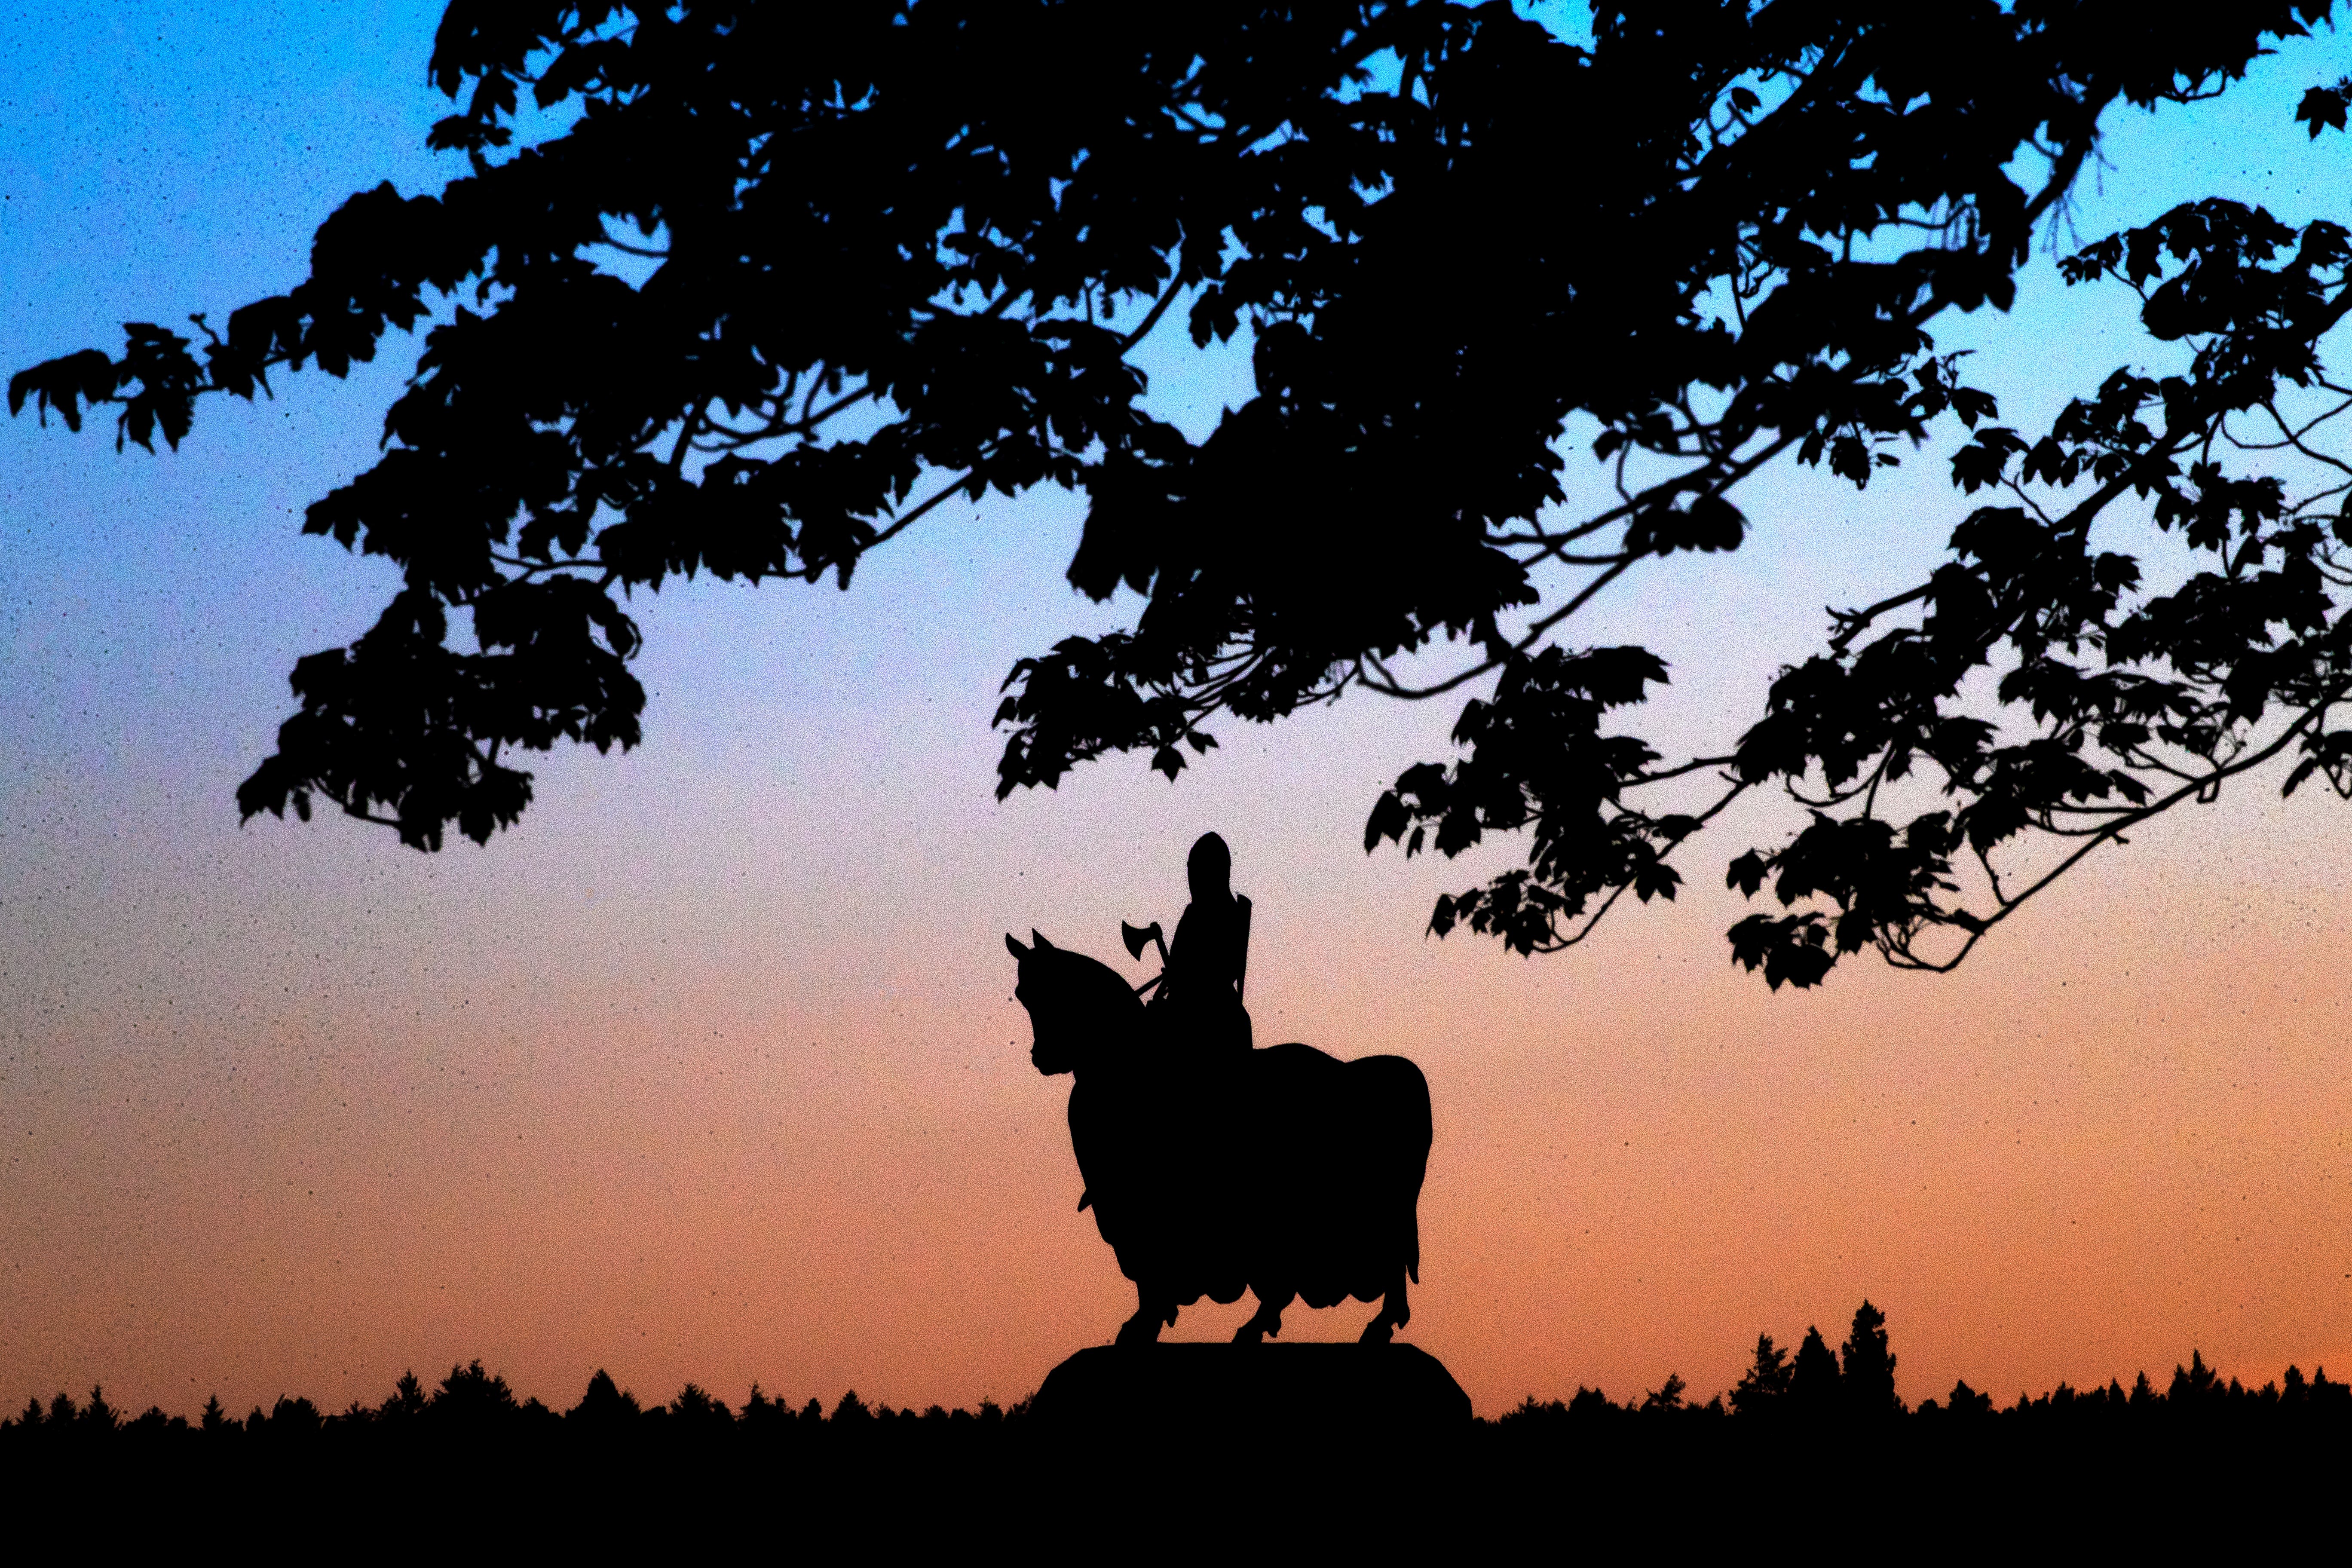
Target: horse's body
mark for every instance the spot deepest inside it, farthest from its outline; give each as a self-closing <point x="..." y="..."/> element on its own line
<point x="1284" y="1171"/>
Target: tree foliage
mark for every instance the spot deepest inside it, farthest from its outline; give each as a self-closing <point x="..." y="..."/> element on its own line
<point x="887" y="253"/>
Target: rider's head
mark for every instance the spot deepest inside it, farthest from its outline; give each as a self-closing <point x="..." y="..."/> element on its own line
<point x="1210" y="869"/>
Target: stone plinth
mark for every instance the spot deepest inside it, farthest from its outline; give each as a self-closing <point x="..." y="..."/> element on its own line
<point x="1335" y="1389"/>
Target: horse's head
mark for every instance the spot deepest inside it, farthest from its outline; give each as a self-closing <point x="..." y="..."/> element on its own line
<point x="1072" y="1001"/>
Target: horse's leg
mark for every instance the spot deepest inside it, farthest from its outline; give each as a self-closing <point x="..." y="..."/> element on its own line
<point x="1150" y="1314"/>
<point x="1394" y="1314"/>
<point x="1267" y="1318"/>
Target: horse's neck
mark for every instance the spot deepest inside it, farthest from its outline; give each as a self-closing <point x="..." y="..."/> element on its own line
<point x="1122" y="1053"/>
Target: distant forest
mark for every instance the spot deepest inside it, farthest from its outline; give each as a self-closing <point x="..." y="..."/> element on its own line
<point x="1813" y="1387"/>
<point x="1855" y="1385"/>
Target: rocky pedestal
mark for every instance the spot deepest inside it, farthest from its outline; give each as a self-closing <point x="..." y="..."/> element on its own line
<point x="1332" y="1389"/>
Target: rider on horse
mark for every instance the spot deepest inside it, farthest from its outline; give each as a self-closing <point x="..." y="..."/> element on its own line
<point x="1199" y="997"/>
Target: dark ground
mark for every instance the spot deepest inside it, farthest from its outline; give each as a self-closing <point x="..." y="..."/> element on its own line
<point x="467" y="1481"/>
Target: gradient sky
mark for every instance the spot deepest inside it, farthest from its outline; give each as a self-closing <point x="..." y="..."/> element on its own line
<point x="710" y="1071"/>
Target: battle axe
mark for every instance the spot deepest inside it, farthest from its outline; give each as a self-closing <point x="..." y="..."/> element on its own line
<point x="1137" y="935"/>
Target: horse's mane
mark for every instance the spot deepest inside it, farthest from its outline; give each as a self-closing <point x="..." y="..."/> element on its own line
<point x="1090" y="983"/>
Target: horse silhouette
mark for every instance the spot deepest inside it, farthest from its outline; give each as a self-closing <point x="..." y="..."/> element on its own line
<point x="1282" y="1171"/>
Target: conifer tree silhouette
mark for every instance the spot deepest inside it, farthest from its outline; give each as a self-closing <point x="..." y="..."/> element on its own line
<point x="407" y="1401"/>
<point x="1668" y="1399"/>
<point x="697" y="1412"/>
<point x="1765" y="1385"/>
<point x="1869" y="1373"/>
<point x="1814" y="1379"/>
<point x="472" y="1402"/>
<point x="604" y="1405"/>
<point x="2195" y="1389"/>
<point x="293" y="1418"/>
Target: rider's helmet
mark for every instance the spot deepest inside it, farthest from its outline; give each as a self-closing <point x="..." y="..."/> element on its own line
<point x="1210" y="868"/>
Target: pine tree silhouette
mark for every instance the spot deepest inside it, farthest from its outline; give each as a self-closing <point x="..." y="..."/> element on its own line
<point x="697" y="1412"/>
<point x="1814" y="1379"/>
<point x="2195" y="1390"/>
<point x="407" y="1401"/>
<point x="604" y="1406"/>
<point x="1869" y="1373"/>
<point x="1765" y="1384"/>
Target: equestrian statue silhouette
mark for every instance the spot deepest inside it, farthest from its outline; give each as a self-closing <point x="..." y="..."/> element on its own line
<point x="1213" y="1167"/>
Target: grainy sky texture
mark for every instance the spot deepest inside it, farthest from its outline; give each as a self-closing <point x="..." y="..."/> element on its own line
<point x="711" y="1069"/>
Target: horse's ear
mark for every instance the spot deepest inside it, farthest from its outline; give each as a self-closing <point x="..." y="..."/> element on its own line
<point x="1039" y="938"/>
<point x="1014" y="947"/>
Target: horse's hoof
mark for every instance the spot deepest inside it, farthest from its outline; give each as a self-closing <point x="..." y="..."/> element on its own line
<point x="1376" y="1332"/>
<point x="1248" y="1335"/>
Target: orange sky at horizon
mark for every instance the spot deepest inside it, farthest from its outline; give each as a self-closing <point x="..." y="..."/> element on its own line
<point x="710" y="1071"/>
<point x="2108" y="1140"/>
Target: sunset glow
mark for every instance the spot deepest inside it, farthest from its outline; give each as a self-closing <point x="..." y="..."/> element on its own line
<point x="711" y="1069"/>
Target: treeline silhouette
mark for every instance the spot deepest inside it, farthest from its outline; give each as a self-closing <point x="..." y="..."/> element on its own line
<point x="1813" y="1387"/>
<point x="470" y="1405"/>
<point x="1816" y="1434"/>
<point x="1855" y="1385"/>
